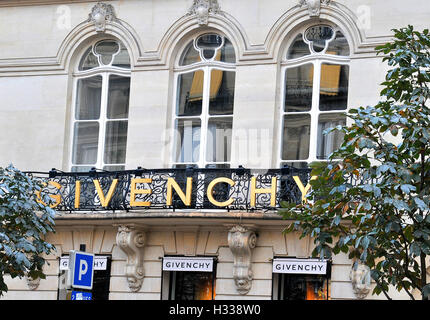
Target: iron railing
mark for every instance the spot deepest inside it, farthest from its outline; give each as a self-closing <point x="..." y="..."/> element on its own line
<point x="64" y="189"/>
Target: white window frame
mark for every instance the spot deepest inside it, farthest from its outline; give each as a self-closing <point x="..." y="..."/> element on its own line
<point x="104" y="72"/>
<point x="317" y="59"/>
<point x="204" y="117"/>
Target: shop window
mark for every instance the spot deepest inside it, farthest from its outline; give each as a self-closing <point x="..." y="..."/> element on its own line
<point x="101" y="278"/>
<point x="100" y="108"/>
<point x="315" y="77"/>
<point x="301" y="279"/>
<point x="302" y="287"/>
<point x="188" y="278"/>
<point x="203" y="116"/>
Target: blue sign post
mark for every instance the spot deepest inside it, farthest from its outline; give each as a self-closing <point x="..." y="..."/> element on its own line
<point x="81" y="270"/>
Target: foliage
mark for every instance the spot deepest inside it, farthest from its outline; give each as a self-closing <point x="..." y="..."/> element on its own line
<point x="372" y="199"/>
<point x="24" y="221"/>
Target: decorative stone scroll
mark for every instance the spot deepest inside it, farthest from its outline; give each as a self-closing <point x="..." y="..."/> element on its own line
<point x="360" y="279"/>
<point x="100" y="14"/>
<point x="314" y="6"/>
<point x="202" y="9"/>
<point x="132" y="241"/>
<point x="241" y="242"/>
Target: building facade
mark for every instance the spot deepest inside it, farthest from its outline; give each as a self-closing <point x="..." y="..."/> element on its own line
<point x="181" y="106"/>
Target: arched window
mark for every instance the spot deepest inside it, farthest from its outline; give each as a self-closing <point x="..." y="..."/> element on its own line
<point x="315" y="72"/>
<point x="100" y="107"/>
<point x="204" y="99"/>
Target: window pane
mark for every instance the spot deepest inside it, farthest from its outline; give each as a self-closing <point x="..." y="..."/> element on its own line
<point x="190" y="55"/>
<point x="114" y="168"/>
<point x="218" y="166"/>
<point x="85" y="143"/>
<point x="190" y="93"/>
<point x="296" y="137"/>
<point x="122" y="59"/>
<point x="302" y="287"/>
<point x="221" y="92"/>
<point x="81" y="168"/>
<point x="119" y="93"/>
<point x="339" y="45"/>
<point x="194" y="286"/>
<point x="219" y="140"/>
<point x="227" y="52"/>
<point x="319" y="35"/>
<point x="298" y="88"/>
<point x="89" y="60"/>
<point x="105" y="49"/>
<point x="298" y="165"/>
<point x="334" y="87"/>
<point x="329" y="143"/>
<point x="298" y="48"/>
<point x="89" y="98"/>
<point x="115" y="141"/>
<point x="209" y="41"/>
<point x="187" y="140"/>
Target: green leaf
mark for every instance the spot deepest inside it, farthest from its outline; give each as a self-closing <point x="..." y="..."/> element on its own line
<point x="407" y="188"/>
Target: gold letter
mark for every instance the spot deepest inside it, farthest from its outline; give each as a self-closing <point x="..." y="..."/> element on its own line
<point x="105" y="201"/>
<point x="77" y="194"/>
<point x="186" y="199"/>
<point x="210" y="189"/>
<point x="272" y="191"/>
<point x="304" y="190"/>
<point x="134" y="191"/>
<point x="56" y="197"/>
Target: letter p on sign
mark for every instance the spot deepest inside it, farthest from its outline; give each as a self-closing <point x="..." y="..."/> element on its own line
<point x="81" y="270"/>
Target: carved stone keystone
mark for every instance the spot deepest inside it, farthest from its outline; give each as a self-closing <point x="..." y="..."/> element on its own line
<point x="314" y="6"/>
<point x="202" y="9"/>
<point x="100" y="14"/>
<point x="241" y="242"/>
<point x="132" y="241"/>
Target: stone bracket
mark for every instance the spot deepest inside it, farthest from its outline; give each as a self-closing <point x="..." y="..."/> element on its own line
<point x="132" y="241"/>
<point x="241" y="241"/>
<point x="360" y="279"/>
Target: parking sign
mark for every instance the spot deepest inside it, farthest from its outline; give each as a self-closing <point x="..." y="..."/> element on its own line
<point x="81" y="270"/>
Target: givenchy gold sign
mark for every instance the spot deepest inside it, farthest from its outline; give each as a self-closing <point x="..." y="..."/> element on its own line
<point x="172" y="186"/>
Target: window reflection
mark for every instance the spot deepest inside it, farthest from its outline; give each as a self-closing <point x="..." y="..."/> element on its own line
<point x="194" y="286"/>
<point x="327" y="143"/>
<point x="88" y="98"/>
<point x="221" y="92"/>
<point x="219" y="140"/>
<point x="334" y="87"/>
<point x="296" y="137"/>
<point x="115" y="142"/>
<point x="298" y="48"/>
<point x="119" y="94"/>
<point x="85" y="143"/>
<point x="190" y="93"/>
<point x="303" y="287"/>
<point x="299" y="88"/>
<point x="187" y="140"/>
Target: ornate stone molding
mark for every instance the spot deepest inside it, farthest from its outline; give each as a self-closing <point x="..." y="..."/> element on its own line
<point x="132" y="241"/>
<point x="100" y="14"/>
<point x="360" y="279"/>
<point x="32" y="284"/>
<point x="241" y="242"/>
<point x="314" y="6"/>
<point x="202" y="8"/>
